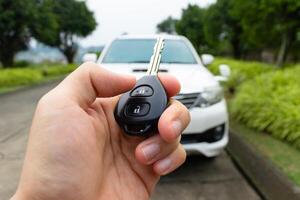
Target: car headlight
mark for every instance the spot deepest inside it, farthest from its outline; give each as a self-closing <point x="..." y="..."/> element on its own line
<point x="209" y="97"/>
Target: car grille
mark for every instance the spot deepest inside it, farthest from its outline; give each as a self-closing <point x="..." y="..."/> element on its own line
<point x="212" y="135"/>
<point x="187" y="99"/>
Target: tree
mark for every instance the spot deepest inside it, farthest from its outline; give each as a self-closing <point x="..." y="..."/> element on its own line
<point x="269" y="24"/>
<point x="167" y="26"/>
<point x="19" y="21"/>
<point x="74" y="21"/>
<point x="221" y="28"/>
<point x="191" y="25"/>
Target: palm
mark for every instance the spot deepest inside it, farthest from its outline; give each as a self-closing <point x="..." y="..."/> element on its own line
<point x="112" y="170"/>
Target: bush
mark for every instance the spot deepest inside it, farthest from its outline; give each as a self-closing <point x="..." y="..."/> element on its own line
<point x="21" y="64"/>
<point x="16" y="77"/>
<point x="51" y="71"/>
<point x="25" y="76"/>
<point x="271" y="103"/>
<point x="241" y="71"/>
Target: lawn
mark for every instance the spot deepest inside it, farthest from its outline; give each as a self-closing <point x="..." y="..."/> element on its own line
<point x="14" y="78"/>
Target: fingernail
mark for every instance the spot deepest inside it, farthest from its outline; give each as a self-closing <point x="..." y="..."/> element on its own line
<point x="151" y="150"/>
<point x="163" y="166"/>
<point x="177" y="127"/>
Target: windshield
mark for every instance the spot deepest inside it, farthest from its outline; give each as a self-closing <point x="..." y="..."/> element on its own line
<point x="140" y="51"/>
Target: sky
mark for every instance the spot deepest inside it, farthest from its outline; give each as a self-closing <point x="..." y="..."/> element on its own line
<point x="115" y="17"/>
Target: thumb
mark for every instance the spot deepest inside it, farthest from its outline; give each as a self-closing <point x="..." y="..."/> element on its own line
<point x="90" y="81"/>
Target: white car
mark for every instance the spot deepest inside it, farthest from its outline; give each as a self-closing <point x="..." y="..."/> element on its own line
<point x="200" y="91"/>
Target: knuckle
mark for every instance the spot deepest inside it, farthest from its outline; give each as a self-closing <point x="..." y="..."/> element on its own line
<point x="88" y="66"/>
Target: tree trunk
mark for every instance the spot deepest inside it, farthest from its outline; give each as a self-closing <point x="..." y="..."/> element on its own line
<point x="236" y="49"/>
<point x="69" y="53"/>
<point x="282" y="51"/>
<point x="236" y="42"/>
<point x="70" y="57"/>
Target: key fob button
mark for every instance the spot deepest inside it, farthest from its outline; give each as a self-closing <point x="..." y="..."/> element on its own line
<point x="137" y="109"/>
<point x="142" y="91"/>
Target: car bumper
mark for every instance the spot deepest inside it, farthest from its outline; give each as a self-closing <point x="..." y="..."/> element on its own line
<point x="207" y="149"/>
<point x="203" y="123"/>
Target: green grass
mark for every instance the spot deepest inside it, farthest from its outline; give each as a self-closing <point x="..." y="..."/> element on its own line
<point x="14" y="78"/>
<point x="57" y="70"/>
<point x="283" y="155"/>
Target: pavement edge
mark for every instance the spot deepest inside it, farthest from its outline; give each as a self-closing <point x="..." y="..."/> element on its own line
<point x="32" y="86"/>
<point x="270" y="182"/>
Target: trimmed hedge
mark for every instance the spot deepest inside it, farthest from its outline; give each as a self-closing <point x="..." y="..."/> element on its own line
<point x="271" y="103"/>
<point x="58" y="70"/>
<point x="241" y="71"/>
<point x="15" y="77"/>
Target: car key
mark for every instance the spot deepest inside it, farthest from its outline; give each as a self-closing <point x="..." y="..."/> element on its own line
<point x="138" y="110"/>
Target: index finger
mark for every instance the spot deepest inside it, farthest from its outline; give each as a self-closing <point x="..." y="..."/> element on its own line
<point x="90" y="81"/>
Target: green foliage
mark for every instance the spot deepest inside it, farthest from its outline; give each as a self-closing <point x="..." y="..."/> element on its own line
<point x="270" y="103"/>
<point x="54" y="22"/>
<point x="191" y="25"/>
<point x="221" y="30"/>
<point x="167" y="26"/>
<point x="21" y="64"/>
<point x="241" y="71"/>
<point x="19" y="76"/>
<point x="269" y="23"/>
<point x="58" y="70"/>
<point x="26" y="76"/>
<point x="243" y="29"/>
<point x="74" y="20"/>
<point x="45" y="25"/>
<point x="20" y="20"/>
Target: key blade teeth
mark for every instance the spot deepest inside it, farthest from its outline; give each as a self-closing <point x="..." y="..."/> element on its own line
<point x="156" y="57"/>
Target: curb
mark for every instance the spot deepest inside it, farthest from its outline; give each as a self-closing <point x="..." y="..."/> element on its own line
<point x="35" y="85"/>
<point x="266" y="178"/>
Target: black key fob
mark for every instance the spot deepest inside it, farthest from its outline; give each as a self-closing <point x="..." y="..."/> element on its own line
<point x="139" y="110"/>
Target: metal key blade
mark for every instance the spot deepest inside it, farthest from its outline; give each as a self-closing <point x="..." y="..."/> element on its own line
<point x="156" y="57"/>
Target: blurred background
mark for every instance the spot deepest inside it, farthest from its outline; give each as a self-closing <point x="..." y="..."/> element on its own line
<point x="44" y="40"/>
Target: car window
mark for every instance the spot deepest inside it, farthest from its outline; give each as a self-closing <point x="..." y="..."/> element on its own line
<point x="140" y="51"/>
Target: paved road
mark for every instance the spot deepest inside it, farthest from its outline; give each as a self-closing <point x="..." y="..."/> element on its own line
<point x="199" y="178"/>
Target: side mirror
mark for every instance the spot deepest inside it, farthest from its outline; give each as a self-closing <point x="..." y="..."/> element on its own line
<point x="225" y="72"/>
<point x="89" y="57"/>
<point x="207" y="59"/>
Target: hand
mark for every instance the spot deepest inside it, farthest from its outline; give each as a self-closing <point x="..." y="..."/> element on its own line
<point x="76" y="150"/>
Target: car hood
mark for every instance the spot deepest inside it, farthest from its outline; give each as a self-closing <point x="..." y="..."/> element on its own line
<point x="193" y="78"/>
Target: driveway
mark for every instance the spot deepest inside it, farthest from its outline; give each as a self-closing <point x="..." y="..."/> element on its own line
<point x="198" y="178"/>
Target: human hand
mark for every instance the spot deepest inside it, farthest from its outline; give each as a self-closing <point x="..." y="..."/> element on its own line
<point x="76" y="150"/>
